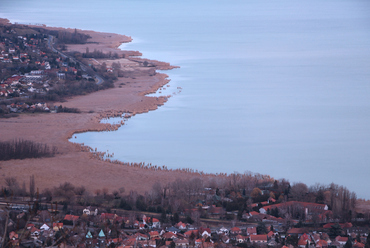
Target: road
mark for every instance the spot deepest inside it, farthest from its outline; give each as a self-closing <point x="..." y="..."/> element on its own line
<point x="83" y="67"/>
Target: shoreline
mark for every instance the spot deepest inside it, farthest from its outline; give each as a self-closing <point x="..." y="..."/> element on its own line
<point x="73" y="163"/>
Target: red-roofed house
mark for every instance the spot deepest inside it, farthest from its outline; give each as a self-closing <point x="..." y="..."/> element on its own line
<point x="235" y="230"/>
<point x="150" y="221"/>
<point x="241" y="238"/>
<point x="57" y="226"/>
<point x="181" y="242"/>
<point x="169" y="235"/>
<point x="262" y="238"/>
<point x="270" y="234"/>
<point x="358" y="245"/>
<point x="204" y="232"/>
<point x="70" y="217"/>
<point x="181" y="226"/>
<point x="322" y="244"/>
<point x="341" y="240"/>
<point x="153" y="234"/>
<point x="251" y="230"/>
<point x="297" y="231"/>
<point x="308" y="207"/>
<point x="188" y="233"/>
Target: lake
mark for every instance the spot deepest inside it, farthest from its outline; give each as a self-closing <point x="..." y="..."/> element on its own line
<point x="273" y="87"/>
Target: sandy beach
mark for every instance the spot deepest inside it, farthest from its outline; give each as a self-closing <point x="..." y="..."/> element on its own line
<point x="73" y="164"/>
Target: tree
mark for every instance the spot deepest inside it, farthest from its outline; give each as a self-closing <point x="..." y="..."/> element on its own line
<point x="261" y="228"/>
<point x="335" y="230"/>
<point x="256" y="192"/>
<point x="32" y="187"/>
<point x="298" y="191"/>
<point x="367" y="244"/>
<point x="348" y="243"/>
<point x="163" y="216"/>
<point x="176" y="218"/>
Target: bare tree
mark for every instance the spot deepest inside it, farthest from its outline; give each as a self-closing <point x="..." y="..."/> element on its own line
<point x="32" y="187"/>
<point x="299" y="191"/>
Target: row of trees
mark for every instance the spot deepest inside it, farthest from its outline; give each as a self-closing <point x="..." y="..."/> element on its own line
<point x="181" y="195"/>
<point x="22" y="149"/>
<point x="72" y="37"/>
<point x="98" y="54"/>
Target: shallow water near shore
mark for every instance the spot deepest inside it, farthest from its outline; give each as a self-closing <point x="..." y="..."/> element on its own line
<point x="279" y="88"/>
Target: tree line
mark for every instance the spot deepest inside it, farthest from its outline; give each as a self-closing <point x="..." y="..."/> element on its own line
<point x="22" y="149"/>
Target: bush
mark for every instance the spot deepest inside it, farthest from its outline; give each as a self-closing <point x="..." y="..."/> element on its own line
<point x="62" y="109"/>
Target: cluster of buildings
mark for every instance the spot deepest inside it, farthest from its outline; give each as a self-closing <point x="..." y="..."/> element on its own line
<point x="36" y="68"/>
<point x="91" y="229"/>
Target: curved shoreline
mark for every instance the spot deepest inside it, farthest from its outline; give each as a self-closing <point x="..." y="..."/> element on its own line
<point x="73" y="163"/>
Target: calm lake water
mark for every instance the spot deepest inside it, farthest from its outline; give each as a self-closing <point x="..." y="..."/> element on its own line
<point x="273" y="87"/>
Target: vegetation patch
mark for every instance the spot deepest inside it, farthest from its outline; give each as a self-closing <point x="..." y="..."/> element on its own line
<point x="22" y="149"/>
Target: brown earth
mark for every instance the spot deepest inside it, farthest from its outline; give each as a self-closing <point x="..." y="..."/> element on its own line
<point x="73" y="164"/>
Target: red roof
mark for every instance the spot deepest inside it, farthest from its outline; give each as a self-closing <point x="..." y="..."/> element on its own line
<point x="358" y="245"/>
<point x="169" y="235"/>
<point x="321" y="243"/>
<point x="202" y="230"/>
<point x="296" y="231"/>
<point x="188" y="233"/>
<point x="260" y="237"/>
<point x="341" y="239"/>
<point x="235" y="229"/>
<point x="251" y="230"/>
<point x="59" y="225"/>
<point x="71" y="217"/>
<point x="302" y="242"/>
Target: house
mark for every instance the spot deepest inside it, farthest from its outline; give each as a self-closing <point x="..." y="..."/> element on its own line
<point x="261" y="238"/>
<point x="173" y="230"/>
<point x="152" y="222"/>
<point x="235" y="230"/>
<point x="88" y="235"/>
<point x="181" y="225"/>
<point x="190" y="232"/>
<point x="101" y="234"/>
<point x="35" y="233"/>
<point x="302" y="242"/>
<point x="153" y="234"/>
<point x="241" y="239"/>
<point x="322" y="244"/>
<point x="198" y="242"/>
<point x="225" y="239"/>
<point x="140" y="236"/>
<point x="57" y="226"/>
<point x="308" y="207"/>
<point x="341" y="240"/>
<point x="358" y="245"/>
<point x="222" y="230"/>
<point x="44" y="227"/>
<point x="14" y="238"/>
<point x="251" y="230"/>
<point x="205" y="232"/>
<point x="169" y="235"/>
<point x="296" y="231"/>
<point x="70" y="217"/>
<point x="181" y="242"/>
